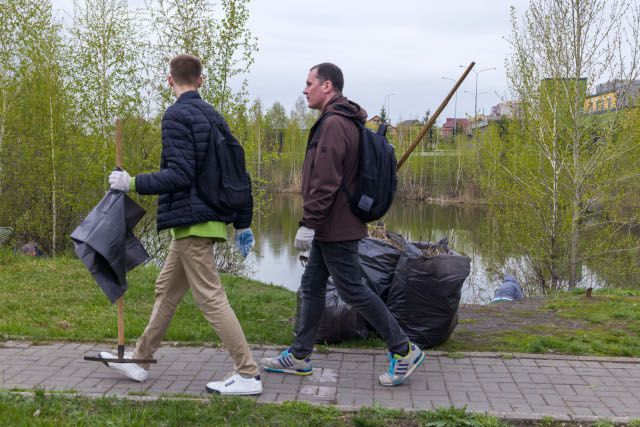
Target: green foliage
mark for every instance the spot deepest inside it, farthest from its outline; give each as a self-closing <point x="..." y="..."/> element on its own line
<point x="104" y="53"/>
<point x="61" y="89"/>
<point x="554" y="177"/>
<point x="438" y="169"/>
<point x="217" y="33"/>
<point x="36" y="175"/>
<point x="383" y="114"/>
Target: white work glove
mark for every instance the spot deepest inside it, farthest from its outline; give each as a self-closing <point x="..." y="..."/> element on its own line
<point x="120" y="180"/>
<point x="304" y="237"/>
<point x="244" y="241"/>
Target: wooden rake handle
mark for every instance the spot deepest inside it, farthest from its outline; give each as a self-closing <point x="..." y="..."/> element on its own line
<point x="120" y="302"/>
<point x="433" y="118"/>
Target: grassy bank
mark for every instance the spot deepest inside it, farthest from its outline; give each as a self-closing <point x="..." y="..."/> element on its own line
<point x="65" y="411"/>
<point x="606" y="324"/>
<point x="46" y="299"/>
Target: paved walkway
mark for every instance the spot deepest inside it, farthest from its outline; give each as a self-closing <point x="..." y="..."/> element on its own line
<point x="522" y="387"/>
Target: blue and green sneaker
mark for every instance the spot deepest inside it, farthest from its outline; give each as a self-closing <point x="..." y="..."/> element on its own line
<point x="400" y="367"/>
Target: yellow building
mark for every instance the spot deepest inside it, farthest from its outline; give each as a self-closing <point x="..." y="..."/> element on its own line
<point x="375" y="121"/>
<point x="612" y="95"/>
<point x="607" y="101"/>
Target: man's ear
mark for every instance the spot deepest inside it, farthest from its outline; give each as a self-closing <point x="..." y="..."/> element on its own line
<point x="170" y="80"/>
<point x="327" y="86"/>
<point x="199" y="82"/>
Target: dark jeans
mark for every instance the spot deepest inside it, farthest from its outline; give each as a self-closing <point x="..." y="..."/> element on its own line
<point x="341" y="261"/>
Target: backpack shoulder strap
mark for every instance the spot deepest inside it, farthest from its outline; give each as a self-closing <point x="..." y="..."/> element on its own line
<point x="327" y="115"/>
<point x="360" y="127"/>
<point x="332" y="113"/>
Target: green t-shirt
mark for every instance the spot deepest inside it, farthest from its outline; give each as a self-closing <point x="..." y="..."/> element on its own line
<point x="213" y="229"/>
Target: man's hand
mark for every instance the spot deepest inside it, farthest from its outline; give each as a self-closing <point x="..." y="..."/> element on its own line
<point x="304" y="237"/>
<point x="119" y="180"/>
<point x="244" y="241"/>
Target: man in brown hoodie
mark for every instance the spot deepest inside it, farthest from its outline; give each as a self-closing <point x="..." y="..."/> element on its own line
<point x="332" y="232"/>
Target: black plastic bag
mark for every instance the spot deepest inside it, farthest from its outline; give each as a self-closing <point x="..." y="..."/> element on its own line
<point x="105" y="242"/>
<point x="339" y="321"/>
<point x="426" y="290"/>
<point x="378" y="260"/>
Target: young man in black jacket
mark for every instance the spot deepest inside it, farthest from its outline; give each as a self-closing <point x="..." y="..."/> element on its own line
<point x="195" y="228"/>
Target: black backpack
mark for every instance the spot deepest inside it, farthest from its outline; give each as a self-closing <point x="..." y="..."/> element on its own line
<point x="377" y="179"/>
<point x="222" y="180"/>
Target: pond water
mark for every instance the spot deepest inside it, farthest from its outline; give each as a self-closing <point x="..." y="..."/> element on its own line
<point x="276" y="261"/>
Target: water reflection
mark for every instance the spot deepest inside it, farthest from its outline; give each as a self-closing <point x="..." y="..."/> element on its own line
<point x="276" y="260"/>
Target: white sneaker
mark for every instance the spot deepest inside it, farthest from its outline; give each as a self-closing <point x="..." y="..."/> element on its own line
<point x="132" y="370"/>
<point x="236" y="384"/>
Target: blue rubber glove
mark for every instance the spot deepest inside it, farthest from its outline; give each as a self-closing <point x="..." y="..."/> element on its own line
<point x="244" y="241"/>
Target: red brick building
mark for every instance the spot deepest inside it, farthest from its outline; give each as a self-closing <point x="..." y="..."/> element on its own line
<point x="463" y="126"/>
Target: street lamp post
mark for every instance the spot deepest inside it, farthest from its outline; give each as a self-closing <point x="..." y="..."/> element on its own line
<point x="475" y="105"/>
<point x="455" y="108"/>
<point x="475" y="118"/>
<point x="386" y="101"/>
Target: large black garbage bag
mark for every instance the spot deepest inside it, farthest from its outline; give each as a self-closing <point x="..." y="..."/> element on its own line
<point x="105" y="242"/>
<point x="378" y="260"/>
<point x="339" y="321"/>
<point x="426" y="290"/>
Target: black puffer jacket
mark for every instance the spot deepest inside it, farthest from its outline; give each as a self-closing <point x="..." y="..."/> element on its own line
<point x="185" y="139"/>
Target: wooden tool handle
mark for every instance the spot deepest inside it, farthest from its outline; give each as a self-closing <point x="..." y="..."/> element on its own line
<point x="118" y="138"/>
<point x="120" y="302"/>
<point x="433" y="118"/>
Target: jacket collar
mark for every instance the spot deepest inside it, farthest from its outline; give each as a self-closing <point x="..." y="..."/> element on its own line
<point x="337" y="97"/>
<point x="191" y="94"/>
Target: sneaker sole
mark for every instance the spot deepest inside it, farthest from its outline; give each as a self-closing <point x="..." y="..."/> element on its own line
<point x="242" y="393"/>
<point x="288" y="371"/>
<point x="117" y="368"/>
<point x="409" y="372"/>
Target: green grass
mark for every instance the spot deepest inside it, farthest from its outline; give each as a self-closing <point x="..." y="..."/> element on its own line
<point x="611" y="323"/>
<point x="51" y="410"/>
<point x="47" y="299"/>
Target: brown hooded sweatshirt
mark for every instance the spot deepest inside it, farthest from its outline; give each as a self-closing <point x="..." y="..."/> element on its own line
<point x="332" y="158"/>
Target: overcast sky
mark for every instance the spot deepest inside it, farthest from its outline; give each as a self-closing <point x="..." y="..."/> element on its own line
<point x="401" y="47"/>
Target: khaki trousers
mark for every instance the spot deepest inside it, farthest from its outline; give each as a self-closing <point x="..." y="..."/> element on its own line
<point x="190" y="264"/>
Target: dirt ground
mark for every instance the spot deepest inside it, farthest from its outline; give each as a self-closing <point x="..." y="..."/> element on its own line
<point x="513" y="315"/>
<point x="480" y="327"/>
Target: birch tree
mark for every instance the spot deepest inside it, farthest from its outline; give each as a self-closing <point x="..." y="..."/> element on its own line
<point x="16" y="35"/>
<point x="35" y="123"/>
<point x="555" y="167"/>
<point x="107" y="80"/>
<point x="218" y="34"/>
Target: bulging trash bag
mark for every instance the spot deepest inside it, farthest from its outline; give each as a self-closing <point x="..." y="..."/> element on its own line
<point x="339" y="321"/>
<point x="378" y="260"/>
<point x="426" y="289"/>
